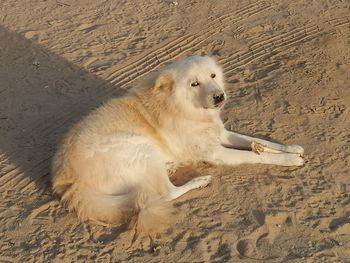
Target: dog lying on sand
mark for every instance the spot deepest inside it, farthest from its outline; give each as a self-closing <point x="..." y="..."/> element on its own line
<point x="114" y="164"/>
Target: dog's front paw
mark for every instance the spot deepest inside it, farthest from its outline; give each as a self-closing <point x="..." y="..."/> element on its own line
<point x="287" y="159"/>
<point x="299" y="161"/>
<point x="295" y="149"/>
<point x="295" y="160"/>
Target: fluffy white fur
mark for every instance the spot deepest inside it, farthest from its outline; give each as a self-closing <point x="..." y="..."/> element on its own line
<point x="113" y="165"/>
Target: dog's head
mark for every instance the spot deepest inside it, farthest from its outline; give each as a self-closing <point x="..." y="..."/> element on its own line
<point x="194" y="83"/>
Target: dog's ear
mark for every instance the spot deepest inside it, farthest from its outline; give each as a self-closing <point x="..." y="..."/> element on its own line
<point x="164" y="83"/>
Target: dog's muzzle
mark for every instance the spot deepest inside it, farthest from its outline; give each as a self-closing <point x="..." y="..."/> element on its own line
<point x="218" y="98"/>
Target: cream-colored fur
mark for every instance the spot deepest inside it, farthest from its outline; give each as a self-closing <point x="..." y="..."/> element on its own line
<point x="114" y="164"/>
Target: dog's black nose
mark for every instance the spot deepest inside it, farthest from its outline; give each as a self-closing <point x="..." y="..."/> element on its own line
<point x="218" y="97"/>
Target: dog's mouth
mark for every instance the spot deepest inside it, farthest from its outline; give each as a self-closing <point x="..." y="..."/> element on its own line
<point x="219" y="104"/>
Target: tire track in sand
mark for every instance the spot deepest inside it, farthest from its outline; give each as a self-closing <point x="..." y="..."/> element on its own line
<point x="179" y="46"/>
<point x="341" y="24"/>
<point x="340" y="21"/>
<point x="270" y="46"/>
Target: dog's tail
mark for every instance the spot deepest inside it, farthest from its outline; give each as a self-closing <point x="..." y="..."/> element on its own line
<point x="153" y="212"/>
<point x="144" y="208"/>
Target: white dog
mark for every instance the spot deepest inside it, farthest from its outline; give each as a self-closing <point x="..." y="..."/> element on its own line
<point x="114" y="164"/>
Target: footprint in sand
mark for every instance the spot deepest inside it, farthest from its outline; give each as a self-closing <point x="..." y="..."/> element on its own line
<point x="87" y="27"/>
<point x="271" y="226"/>
<point x="32" y="35"/>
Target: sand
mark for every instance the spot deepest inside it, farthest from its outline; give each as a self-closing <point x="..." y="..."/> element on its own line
<point x="287" y="66"/>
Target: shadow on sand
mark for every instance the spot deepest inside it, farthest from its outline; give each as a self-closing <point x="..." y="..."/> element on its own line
<point x="41" y="96"/>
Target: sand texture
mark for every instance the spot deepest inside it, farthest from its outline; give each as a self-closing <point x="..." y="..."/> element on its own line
<point x="287" y="66"/>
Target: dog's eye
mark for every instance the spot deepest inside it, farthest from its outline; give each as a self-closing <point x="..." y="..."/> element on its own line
<point x="213" y="75"/>
<point x="195" y="84"/>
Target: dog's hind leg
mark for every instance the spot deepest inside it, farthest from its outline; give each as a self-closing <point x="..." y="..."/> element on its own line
<point x="195" y="183"/>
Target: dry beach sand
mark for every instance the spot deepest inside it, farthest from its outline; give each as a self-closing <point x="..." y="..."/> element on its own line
<point x="287" y="66"/>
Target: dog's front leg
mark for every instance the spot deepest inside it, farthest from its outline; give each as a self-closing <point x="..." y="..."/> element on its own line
<point x="239" y="141"/>
<point x="229" y="156"/>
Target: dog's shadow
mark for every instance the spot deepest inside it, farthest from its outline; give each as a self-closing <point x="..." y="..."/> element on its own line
<point x="41" y="96"/>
